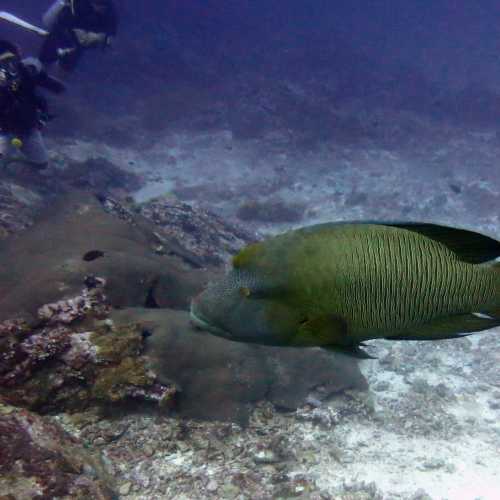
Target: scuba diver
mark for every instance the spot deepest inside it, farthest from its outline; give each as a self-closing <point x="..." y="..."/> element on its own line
<point x="75" y="26"/>
<point x="23" y="112"/>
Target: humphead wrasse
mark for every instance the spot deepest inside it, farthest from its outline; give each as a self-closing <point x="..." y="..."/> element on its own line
<point x="337" y="285"/>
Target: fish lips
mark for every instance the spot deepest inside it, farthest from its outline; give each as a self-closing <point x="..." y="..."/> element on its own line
<point x="202" y="323"/>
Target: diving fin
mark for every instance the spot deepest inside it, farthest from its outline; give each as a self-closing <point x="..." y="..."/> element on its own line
<point x="11" y="18"/>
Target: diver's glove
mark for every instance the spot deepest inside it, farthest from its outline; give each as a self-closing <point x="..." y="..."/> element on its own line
<point x="89" y="38"/>
<point x="65" y="53"/>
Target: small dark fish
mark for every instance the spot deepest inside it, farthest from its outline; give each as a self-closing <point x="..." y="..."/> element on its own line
<point x="338" y="285"/>
<point x="92" y="255"/>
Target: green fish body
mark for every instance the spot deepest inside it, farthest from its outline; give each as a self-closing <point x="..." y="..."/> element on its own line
<point x="337" y="285"/>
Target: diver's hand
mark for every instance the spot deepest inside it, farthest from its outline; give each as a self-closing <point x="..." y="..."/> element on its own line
<point x="89" y="38"/>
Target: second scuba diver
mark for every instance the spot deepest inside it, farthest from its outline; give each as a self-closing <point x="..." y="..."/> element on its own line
<point x="75" y="26"/>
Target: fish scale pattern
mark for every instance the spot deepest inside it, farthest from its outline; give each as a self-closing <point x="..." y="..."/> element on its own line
<point x="395" y="279"/>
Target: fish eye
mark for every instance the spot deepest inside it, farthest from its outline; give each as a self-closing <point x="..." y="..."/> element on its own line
<point x="245" y="291"/>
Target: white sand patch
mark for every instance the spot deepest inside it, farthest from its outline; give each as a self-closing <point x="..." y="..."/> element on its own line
<point x="462" y="470"/>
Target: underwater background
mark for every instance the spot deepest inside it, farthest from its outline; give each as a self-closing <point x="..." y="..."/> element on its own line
<point x="206" y="126"/>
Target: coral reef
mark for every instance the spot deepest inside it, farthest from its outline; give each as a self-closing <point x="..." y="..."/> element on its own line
<point x="74" y="359"/>
<point x="206" y="235"/>
<point x="135" y="273"/>
<point x="92" y="298"/>
<point x="38" y="459"/>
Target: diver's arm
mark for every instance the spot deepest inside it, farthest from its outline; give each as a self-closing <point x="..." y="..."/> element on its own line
<point x="104" y="38"/>
<point x="53" y="13"/>
<point x="35" y="71"/>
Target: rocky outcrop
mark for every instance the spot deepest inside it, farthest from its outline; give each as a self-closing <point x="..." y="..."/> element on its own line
<point x="81" y="237"/>
<point x="220" y="379"/>
<point x="76" y="359"/>
<point x="206" y="235"/>
<point x="38" y="459"/>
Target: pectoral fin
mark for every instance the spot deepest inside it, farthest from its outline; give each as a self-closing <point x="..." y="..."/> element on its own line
<point x="330" y="332"/>
<point x="327" y="329"/>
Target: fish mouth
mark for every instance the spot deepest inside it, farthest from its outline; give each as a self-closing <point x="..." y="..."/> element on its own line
<point x="200" y="322"/>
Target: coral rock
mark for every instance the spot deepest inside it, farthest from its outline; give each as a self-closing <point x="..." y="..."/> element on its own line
<point x="38" y="459"/>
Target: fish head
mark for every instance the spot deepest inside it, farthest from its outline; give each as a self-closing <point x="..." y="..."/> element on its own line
<point x="238" y="308"/>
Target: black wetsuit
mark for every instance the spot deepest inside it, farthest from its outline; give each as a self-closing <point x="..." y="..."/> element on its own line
<point x="62" y="36"/>
<point x="21" y="108"/>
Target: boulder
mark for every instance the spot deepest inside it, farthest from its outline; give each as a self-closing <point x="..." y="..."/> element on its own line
<point x="205" y="234"/>
<point x="79" y="238"/>
<point x="220" y="379"/>
<point x="74" y="361"/>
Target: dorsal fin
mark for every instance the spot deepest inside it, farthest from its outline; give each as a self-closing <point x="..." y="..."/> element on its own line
<point x="470" y="246"/>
